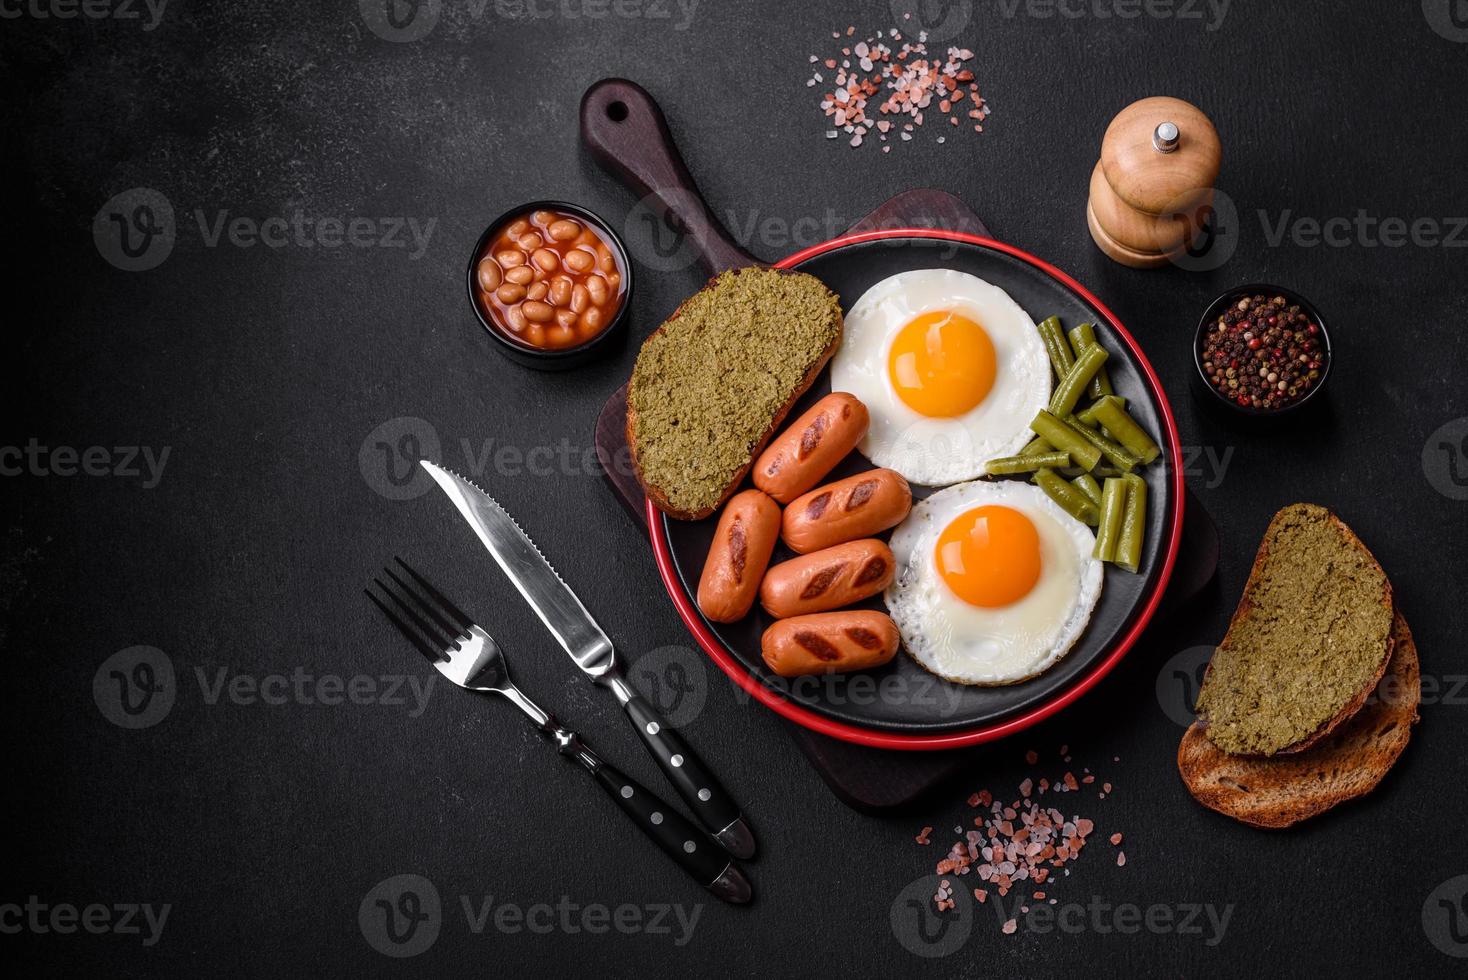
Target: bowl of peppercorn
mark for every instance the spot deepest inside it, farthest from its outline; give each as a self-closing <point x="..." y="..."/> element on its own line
<point x="1262" y="351"/>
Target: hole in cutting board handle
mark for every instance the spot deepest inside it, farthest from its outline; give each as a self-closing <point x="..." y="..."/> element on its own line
<point x="617" y="111"/>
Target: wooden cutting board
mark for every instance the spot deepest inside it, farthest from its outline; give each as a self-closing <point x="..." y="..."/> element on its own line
<point x="867" y="779"/>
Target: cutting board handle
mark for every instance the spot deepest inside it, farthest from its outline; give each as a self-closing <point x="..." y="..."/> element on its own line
<point x="623" y="127"/>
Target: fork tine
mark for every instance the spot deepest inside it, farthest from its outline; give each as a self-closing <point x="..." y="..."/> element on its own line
<point x="426" y="607"/>
<point x="434" y="656"/>
<point x="413" y="607"/>
<point x="464" y="621"/>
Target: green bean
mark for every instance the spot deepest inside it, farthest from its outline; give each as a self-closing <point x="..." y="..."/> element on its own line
<point x="1071" y="500"/>
<point x="1086" y="484"/>
<point x="1088" y="415"/>
<point x="1010" y="465"/>
<point x="1133" y="524"/>
<point x="1056" y="346"/>
<point x="1036" y="447"/>
<point x="1073" y="385"/>
<point x="1082" y="337"/>
<point x="1108" y="530"/>
<point x="1125" y="430"/>
<point x="1114" y="453"/>
<point x="1066" y="439"/>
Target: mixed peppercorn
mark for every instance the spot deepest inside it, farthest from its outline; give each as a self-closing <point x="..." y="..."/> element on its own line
<point x="1263" y="353"/>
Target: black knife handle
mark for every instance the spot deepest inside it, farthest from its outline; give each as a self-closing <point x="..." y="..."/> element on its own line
<point x="670" y="830"/>
<point x="711" y="804"/>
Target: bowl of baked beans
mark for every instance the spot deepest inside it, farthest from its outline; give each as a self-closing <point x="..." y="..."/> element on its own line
<point x="551" y="283"/>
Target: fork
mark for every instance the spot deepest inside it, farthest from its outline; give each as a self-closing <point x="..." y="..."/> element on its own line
<point x="470" y="658"/>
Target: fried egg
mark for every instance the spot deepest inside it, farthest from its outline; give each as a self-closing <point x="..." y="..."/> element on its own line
<point x="995" y="582"/>
<point x="951" y="369"/>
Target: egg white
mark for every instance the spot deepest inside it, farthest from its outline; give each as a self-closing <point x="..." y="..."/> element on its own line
<point x="992" y="647"/>
<point x="942" y="451"/>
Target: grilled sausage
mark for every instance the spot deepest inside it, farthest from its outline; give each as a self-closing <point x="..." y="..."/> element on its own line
<point x="831" y="642"/>
<point x="743" y="543"/>
<point x="811" y="448"/>
<point x="856" y="507"/>
<point x="828" y="579"/>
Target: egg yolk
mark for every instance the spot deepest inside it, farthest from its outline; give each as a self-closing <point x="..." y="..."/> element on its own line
<point x="990" y="556"/>
<point x="942" y="364"/>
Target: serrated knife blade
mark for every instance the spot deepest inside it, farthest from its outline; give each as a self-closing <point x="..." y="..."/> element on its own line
<point x="524" y="565"/>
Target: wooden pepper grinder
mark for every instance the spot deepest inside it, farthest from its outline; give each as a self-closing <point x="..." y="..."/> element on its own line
<point x="1153" y="186"/>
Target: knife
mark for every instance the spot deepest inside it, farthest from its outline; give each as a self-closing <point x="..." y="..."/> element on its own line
<point x="581" y="638"/>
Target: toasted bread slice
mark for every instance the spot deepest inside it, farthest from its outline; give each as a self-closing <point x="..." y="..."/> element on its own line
<point x="1348" y="763"/>
<point x="713" y="383"/>
<point x="1309" y="641"/>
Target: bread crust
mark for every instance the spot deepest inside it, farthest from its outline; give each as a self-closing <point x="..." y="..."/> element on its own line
<point x="1246" y="605"/>
<point x="1280" y="791"/>
<point x="655" y="493"/>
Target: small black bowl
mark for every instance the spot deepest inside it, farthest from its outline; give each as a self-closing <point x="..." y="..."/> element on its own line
<point x="1204" y="389"/>
<point x="569" y="357"/>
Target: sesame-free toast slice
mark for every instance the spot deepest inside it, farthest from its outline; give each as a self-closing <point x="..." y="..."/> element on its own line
<point x="1309" y="641"/>
<point x="713" y="383"/>
<point x="1348" y="763"/>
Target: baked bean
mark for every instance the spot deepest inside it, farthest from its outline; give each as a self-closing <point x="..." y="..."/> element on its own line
<point x="550" y="279"/>
<point x="580" y="261"/>
<point x="489" y="275"/>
